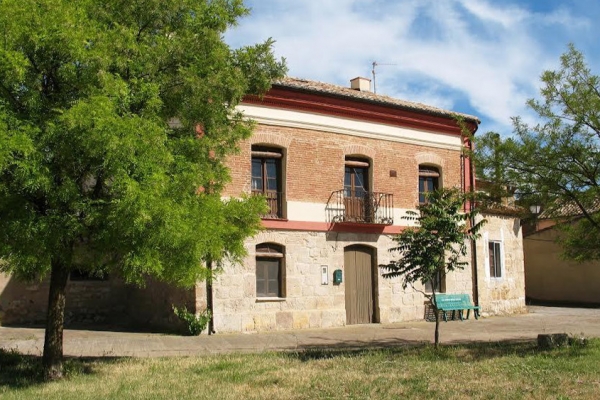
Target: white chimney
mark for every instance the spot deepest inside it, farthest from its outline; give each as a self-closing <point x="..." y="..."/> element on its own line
<point x="361" y="84"/>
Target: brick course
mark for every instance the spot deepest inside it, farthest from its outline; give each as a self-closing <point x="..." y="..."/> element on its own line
<point x="315" y="164"/>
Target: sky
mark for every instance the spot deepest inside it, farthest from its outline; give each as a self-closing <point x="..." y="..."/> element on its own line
<point x="480" y="57"/>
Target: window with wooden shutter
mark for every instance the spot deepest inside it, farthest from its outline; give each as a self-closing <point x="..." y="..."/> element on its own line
<point x="270" y="270"/>
<point x="429" y="181"/>
<point x="267" y="178"/>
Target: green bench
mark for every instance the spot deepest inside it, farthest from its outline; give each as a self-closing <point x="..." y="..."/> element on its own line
<point x="455" y="302"/>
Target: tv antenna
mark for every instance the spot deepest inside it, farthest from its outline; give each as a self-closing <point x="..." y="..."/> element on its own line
<point x="375" y="63"/>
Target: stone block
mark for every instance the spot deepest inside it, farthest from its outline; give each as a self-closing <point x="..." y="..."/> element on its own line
<point x="249" y="286"/>
<point x="413" y="313"/>
<point x="248" y="324"/>
<point x="301" y="320"/>
<point x="264" y="322"/>
<point x="315" y="319"/>
<point x="307" y="290"/>
<point x="397" y="288"/>
<point x="310" y="302"/>
<point x="221" y="292"/>
<point x="324" y="302"/>
<point x="303" y="268"/>
<point x="293" y="287"/>
<point x="314" y="253"/>
<point x="395" y="313"/>
<point x="228" y="322"/>
<point x="339" y="300"/>
<point x="291" y="303"/>
<point x="408" y="299"/>
<point x="284" y="320"/>
<point x="273" y="305"/>
<point x="322" y="290"/>
<point x="333" y="318"/>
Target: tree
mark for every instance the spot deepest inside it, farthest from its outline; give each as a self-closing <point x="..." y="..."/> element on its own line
<point x="556" y="163"/>
<point x="438" y="244"/>
<point x="115" y="118"/>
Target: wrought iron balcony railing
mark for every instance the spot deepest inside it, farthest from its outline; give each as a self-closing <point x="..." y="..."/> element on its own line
<point x="362" y="207"/>
<point x="275" y="203"/>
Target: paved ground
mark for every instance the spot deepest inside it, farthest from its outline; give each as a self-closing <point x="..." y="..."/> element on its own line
<point x="111" y="343"/>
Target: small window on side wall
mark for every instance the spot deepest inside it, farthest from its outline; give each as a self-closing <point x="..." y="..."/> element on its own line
<point x="429" y="181"/>
<point x="495" y="258"/>
<point x="270" y="270"/>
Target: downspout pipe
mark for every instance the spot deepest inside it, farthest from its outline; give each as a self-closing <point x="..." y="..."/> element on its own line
<point x="474" y="267"/>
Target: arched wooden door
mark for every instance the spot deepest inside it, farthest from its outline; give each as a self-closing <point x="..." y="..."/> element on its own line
<point x="360" y="282"/>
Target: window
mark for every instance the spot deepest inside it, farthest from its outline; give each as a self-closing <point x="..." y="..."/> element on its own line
<point x="266" y="178"/>
<point x="439" y="284"/>
<point x="356" y="178"/>
<point x="269" y="270"/>
<point x="356" y="190"/>
<point x="495" y="259"/>
<point x="429" y="181"/>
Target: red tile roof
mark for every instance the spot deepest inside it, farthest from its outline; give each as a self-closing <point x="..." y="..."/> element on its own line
<point x="341" y="91"/>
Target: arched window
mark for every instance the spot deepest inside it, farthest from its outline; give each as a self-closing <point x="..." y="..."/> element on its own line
<point x="270" y="270"/>
<point x="357" y="200"/>
<point x="429" y="181"/>
<point x="267" y="178"/>
<point x="356" y="176"/>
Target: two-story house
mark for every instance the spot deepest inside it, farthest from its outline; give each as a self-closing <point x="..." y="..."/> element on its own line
<point x="339" y="167"/>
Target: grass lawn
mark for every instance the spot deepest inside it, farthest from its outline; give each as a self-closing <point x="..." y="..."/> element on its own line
<point x="485" y="371"/>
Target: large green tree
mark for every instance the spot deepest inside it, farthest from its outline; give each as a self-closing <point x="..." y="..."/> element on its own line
<point x="115" y="118"/>
<point x="556" y="163"/>
<point x="436" y="246"/>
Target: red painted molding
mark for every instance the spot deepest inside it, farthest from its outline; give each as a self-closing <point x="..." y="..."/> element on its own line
<point x="328" y="104"/>
<point x="329" y="227"/>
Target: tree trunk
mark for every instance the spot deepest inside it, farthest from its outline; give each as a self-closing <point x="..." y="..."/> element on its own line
<point x="436" y="312"/>
<point x="209" y="298"/>
<point x="53" y="341"/>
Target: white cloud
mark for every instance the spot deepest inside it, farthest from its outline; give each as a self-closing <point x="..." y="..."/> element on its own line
<point x="489" y="53"/>
<point x="508" y="16"/>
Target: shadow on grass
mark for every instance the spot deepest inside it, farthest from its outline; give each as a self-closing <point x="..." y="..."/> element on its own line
<point x="19" y="371"/>
<point x="462" y="352"/>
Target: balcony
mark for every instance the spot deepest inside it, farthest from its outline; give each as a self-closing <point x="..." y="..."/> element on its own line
<point x="364" y="208"/>
<point x="274" y="202"/>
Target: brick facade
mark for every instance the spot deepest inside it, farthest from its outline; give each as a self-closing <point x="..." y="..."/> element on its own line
<point x="315" y="164"/>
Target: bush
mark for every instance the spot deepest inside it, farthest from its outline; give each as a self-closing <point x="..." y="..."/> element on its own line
<point x="196" y="323"/>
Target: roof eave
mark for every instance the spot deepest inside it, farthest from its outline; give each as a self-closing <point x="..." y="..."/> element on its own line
<point x="441" y="113"/>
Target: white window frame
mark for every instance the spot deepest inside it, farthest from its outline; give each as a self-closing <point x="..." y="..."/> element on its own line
<point x="500" y="260"/>
<point x="486" y="251"/>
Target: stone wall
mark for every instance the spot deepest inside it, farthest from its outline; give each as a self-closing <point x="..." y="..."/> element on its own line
<point x="93" y="302"/>
<point x="151" y="306"/>
<point x="308" y="303"/>
<point x="504" y="295"/>
<point x="87" y="301"/>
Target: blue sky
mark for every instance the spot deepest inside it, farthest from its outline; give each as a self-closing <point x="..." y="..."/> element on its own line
<point x="480" y="57"/>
